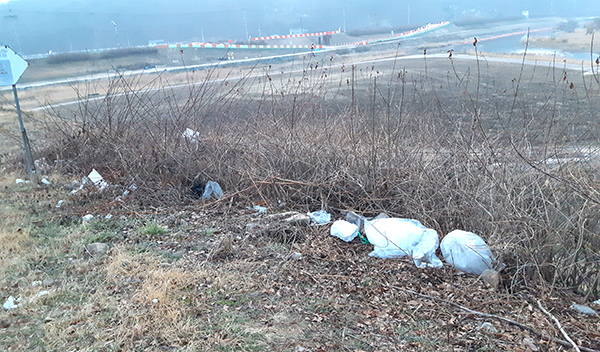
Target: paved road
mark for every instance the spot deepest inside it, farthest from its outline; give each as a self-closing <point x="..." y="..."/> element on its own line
<point x="437" y="39"/>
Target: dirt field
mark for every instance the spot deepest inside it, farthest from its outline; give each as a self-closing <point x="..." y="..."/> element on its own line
<point x="578" y="41"/>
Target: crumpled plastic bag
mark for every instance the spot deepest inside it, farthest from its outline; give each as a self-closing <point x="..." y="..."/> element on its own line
<point x="396" y="238"/>
<point x="320" y="217"/>
<point x="466" y="252"/>
<point x="344" y="230"/>
<point x="191" y="135"/>
<point x="212" y="190"/>
<point x="10" y="303"/>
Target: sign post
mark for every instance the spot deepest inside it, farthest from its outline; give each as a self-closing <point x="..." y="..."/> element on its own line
<point x="12" y="67"/>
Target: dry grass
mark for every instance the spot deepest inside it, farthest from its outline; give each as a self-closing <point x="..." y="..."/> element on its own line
<point x="236" y="290"/>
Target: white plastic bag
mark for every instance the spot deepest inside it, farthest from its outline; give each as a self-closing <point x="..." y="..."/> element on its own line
<point x="344" y="230"/>
<point x="395" y="238"/>
<point x="320" y="217"/>
<point x="212" y="189"/>
<point x="467" y="252"/>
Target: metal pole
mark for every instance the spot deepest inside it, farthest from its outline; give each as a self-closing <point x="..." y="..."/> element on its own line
<point x="116" y="33"/>
<point x="246" y="26"/>
<point x="28" y="156"/>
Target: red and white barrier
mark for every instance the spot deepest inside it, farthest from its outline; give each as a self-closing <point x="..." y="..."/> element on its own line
<point x="408" y="34"/>
<point x="318" y="34"/>
<point x="236" y="46"/>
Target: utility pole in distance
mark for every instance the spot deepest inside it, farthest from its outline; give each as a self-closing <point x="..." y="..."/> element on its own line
<point x="116" y="33"/>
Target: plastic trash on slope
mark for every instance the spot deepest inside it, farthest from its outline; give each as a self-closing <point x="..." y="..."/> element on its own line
<point x="467" y="252"/>
<point x="212" y="189"/>
<point x="191" y="135"/>
<point x="320" y="217"/>
<point x="357" y="220"/>
<point x="10" y="303"/>
<point x="97" y="179"/>
<point x="395" y="238"/>
<point x="259" y="209"/>
<point x="583" y="309"/>
<point x="344" y="230"/>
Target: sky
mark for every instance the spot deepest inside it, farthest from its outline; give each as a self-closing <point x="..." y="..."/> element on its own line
<point x="38" y="26"/>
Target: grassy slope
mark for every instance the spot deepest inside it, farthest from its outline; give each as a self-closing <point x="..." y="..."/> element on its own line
<point x="194" y="278"/>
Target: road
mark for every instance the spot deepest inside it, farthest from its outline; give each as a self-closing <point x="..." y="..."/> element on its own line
<point x="436" y="43"/>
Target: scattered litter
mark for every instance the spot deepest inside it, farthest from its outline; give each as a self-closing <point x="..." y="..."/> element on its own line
<point x="380" y="216"/>
<point x="88" y="217"/>
<point x="45" y="181"/>
<point x="467" y="252"/>
<point x="259" y="209"/>
<point x="97" y="180"/>
<point x="131" y="188"/>
<point x="212" y="190"/>
<point x="41" y="165"/>
<point x="320" y="217"/>
<point x="155" y="301"/>
<point x="60" y="202"/>
<point x="10" y="303"/>
<point x="108" y="216"/>
<point x="297" y="255"/>
<point x="191" y="135"/>
<point x="530" y="343"/>
<point x="491" y="277"/>
<point x="36" y="283"/>
<point x="198" y="187"/>
<point x="596" y="302"/>
<point x="344" y="230"/>
<point x="488" y="327"/>
<point x="20" y="181"/>
<point x="84" y="181"/>
<point x="357" y="220"/>
<point x="583" y="309"/>
<point x="396" y="238"/>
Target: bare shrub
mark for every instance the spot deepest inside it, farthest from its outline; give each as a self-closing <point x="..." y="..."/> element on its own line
<point x="513" y="161"/>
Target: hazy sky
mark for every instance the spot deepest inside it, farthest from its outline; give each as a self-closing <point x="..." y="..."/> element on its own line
<point x="37" y="26"/>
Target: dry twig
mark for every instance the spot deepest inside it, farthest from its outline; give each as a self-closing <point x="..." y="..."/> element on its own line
<point x="506" y="320"/>
<point x="559" y="326"/>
